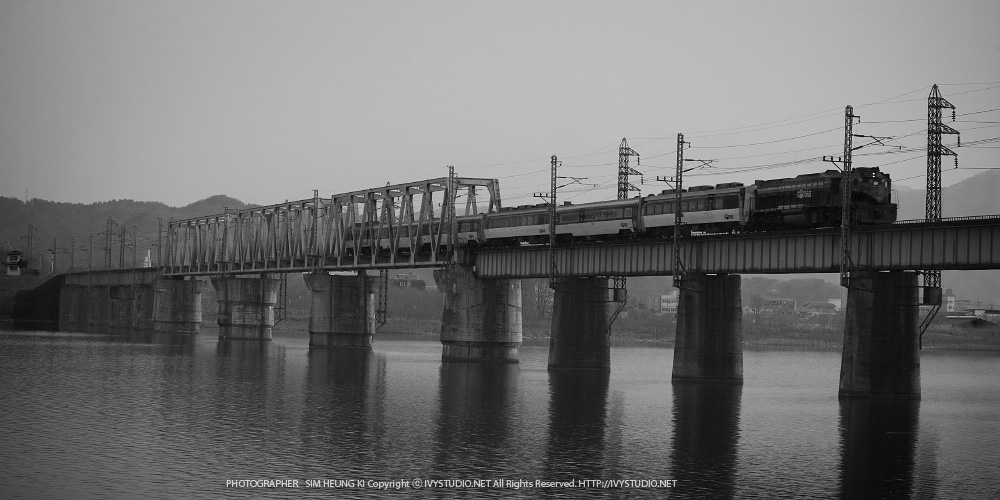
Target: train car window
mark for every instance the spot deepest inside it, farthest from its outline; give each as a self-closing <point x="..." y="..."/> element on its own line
<point x="628" y="212"/>
<point x="609" y="214"/>
<point x="569" y="218"/>
<point x="465" y="227"/>
<point x="710" y="203"/>
<point x="732" y="201"/>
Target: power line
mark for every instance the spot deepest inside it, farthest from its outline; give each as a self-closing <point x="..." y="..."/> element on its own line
<point x="769" y="142"/>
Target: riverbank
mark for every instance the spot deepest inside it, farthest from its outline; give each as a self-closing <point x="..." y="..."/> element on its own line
<point x="661" y="333"/>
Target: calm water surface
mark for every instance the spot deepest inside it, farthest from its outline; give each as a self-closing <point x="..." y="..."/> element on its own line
<point x="171" y="416"/>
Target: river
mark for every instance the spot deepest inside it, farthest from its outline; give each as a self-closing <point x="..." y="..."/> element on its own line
<point x="175" y="416"/>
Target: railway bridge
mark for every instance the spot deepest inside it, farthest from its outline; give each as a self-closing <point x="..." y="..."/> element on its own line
<point x="336" y="241"/>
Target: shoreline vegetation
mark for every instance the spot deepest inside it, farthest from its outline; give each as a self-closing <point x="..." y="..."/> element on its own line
<point x="658" y="331"/>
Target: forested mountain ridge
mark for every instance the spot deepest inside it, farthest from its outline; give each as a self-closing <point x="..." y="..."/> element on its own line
<point x="74" y="227"/>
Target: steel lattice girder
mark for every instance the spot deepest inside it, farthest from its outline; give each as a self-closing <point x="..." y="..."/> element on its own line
<point x="329" y="233"/>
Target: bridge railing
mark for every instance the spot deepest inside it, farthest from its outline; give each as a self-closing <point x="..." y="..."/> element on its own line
<point x="403" y="225"/>
<point x="948" y="219"/>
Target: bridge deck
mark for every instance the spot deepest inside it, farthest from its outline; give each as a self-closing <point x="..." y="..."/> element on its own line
<point x="972" y="243"/>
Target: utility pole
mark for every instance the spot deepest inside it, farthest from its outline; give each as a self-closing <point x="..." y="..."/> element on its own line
<point x="553" y="173"/>
<point x="677" y="270"/>
<point x="159" y="241"/>
<point x="550" y="197"/>
<point x="452" y="222"/>
<point x="121" y="250"/>
<point x="846" y="205"/>
<point x="135" y="243"/>
<point x="108" y="242"/>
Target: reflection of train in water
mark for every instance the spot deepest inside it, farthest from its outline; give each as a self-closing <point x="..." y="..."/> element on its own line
<point x="805" y="201"/>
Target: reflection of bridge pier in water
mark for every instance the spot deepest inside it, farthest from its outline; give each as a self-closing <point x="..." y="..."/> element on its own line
<point x="706" y="434"/>
<point x="878" y="441"/>
<point x="578" y="425"/>
<point x="344" y="409"/>
<point x="475" y="421"/>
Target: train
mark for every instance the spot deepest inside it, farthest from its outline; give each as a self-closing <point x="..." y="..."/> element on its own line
<point x="805" y="201"/>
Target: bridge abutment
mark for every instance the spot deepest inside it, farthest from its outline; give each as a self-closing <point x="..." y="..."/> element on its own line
<point x="246" y="307"/>
<point x="341" y="311"/>
<point x="709" y="341"/>
<point x="177" y="305"/>
<point x="579" y="338"/>
<point x="482" y="317"/>
<point x="881" y="355"/>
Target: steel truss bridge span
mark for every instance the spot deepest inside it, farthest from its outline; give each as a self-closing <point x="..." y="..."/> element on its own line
<point x="338" y="233"/>
<point x="971" y="243"/>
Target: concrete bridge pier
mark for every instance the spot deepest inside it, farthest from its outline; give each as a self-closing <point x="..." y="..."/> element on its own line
<point x="341" y="311"/>
<point x="579" y="338"/>
<point x="881" y="355"/>
<point x="246" y="307"/>
<point x="709" y="338"/>
<point x="74" y="307"/>
<point x="177" y="305"/>
<point x="482" y="317"/>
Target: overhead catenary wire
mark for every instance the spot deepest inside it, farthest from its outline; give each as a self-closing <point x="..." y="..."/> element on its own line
<point x="900" y="146"/>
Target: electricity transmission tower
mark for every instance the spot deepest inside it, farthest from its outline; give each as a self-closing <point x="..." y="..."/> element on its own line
<point x="935" y="150"/>
<point x="935" y="103"/>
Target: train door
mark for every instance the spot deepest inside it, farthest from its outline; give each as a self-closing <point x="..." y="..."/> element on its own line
<point x="749" y="198"/>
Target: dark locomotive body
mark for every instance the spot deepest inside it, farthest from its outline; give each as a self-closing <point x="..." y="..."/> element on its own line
<point x="815" y="200"/>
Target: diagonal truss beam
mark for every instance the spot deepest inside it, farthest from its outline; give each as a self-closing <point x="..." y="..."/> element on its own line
<point x="401" y="225"/>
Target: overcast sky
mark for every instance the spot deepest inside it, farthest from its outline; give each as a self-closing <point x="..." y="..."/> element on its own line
<point x="265" y="101"/>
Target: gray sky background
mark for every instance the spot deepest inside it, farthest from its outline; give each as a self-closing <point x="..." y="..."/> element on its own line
<point x="176" y="101"/>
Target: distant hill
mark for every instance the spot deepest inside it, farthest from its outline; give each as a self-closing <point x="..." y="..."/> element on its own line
<point x="68" y="223"/>
<point x="977" y="195"/>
